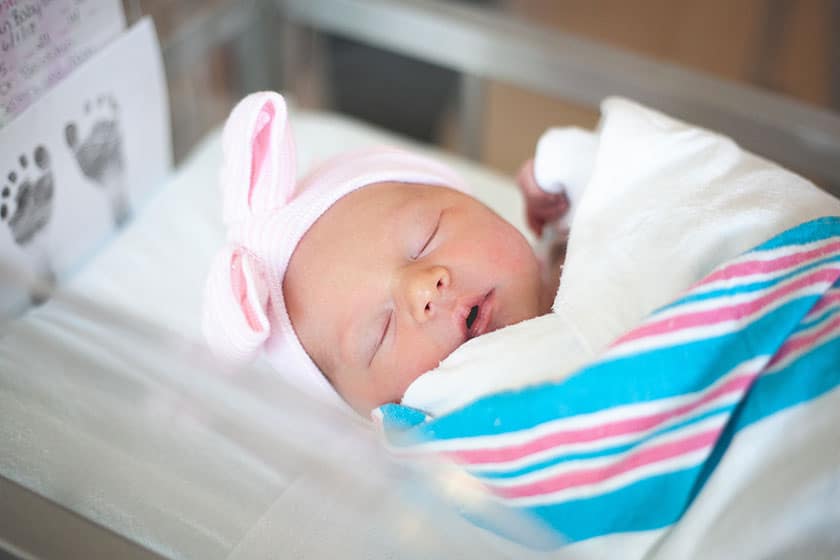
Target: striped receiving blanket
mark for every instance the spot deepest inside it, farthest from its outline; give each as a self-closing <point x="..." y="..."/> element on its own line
<point x="627" y="443"/>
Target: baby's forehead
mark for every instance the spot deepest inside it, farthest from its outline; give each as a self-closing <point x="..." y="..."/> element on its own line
<point x="398" y="190"/>
<point x="358" y="228"/>
<point x="381" y="201"/>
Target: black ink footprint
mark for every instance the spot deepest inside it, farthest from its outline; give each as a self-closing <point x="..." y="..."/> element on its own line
<point x="100" y="153"/>
<point x="26" y="203"/>
<point x="28" y="211"/>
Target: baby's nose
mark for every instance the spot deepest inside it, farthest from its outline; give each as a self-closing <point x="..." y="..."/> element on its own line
<point x="426" y="291"/>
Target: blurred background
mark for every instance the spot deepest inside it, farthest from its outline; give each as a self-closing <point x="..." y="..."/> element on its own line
<point x="789" y="47"/>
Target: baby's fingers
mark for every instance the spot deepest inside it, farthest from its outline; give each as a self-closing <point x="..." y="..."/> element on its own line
<point x="539" y="215"/>
<point x="541" y="207"/>
<point x="553" y="209"/>
<point x="528" y="184"/>
<point x="535" y="224"/>
<point x="532" y="191"/>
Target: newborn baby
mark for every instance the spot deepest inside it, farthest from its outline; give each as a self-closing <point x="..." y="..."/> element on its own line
<point x="367" y="273"/>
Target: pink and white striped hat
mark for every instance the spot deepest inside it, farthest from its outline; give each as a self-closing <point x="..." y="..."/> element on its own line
<point x="266" y="213"/>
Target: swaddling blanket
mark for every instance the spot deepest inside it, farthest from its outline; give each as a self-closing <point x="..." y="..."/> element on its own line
<point x="666" y="203"/>
<point x="627" y="443"/>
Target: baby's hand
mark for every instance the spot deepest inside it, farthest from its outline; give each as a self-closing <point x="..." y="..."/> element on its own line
<point x="540" y="207"/>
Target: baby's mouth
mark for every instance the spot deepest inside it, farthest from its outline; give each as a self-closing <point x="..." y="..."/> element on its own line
<point x="472" y="316"/>
<point x="477" y="320"/>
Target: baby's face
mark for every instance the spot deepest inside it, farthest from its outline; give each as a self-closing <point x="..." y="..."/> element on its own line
<point x="394" y="277"/>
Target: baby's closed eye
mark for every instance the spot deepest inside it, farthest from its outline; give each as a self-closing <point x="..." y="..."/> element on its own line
<point x="428" y="238"/>
<point x="382" y="334"/>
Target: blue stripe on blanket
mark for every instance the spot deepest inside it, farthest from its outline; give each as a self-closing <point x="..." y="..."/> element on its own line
<point x="651" y="503"/>
<point x="808" y="232"/>
<point x="808" y="378"/>
<point x="500" y="472"/>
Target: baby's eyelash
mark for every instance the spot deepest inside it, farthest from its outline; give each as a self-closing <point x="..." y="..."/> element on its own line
<point x="430" y="238"/>
<point x="384" y="334"/>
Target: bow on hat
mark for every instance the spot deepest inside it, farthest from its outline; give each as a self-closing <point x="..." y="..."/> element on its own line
<point x="257" y="178"/>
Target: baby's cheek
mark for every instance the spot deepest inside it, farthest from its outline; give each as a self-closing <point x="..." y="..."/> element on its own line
<point x="414" y="363"/>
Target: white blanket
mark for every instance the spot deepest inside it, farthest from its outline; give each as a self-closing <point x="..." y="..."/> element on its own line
<point x="665" y="203"/>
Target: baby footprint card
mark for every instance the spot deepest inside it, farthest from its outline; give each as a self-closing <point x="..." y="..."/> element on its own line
<point x="77" y="164"/>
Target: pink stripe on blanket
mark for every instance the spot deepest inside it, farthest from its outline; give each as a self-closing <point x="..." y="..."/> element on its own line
<point x="798" y="343"/>
<point x="730" y="312"/>
<point x="748" y="268"/>
<point x="586" y="477"/>
<point x="626" y="426"/>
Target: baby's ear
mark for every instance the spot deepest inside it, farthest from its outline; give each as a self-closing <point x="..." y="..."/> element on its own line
<point x="258" y="170"/>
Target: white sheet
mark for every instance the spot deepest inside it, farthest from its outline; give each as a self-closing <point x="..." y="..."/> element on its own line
<point x="108" y="406"/>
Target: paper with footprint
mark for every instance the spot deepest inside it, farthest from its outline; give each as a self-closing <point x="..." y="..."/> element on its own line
<point x="99" y="153"/>
<point x="27" y="197"/>
<point x="26" y="206"/>
<point x="94" y="143"/>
